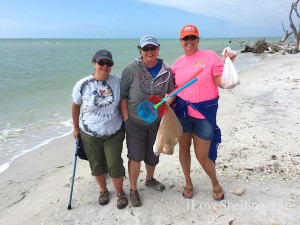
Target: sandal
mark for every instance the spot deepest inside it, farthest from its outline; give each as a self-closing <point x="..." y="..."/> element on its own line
<point x="122" y="201"/>
<point x="187" y="192"/>
<point x="104" y="197"/>
<point x="217" y="190"/>
<point x="156" y="185"/>
<point x="135" y="198"/>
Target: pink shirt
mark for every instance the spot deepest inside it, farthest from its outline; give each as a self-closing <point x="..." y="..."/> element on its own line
<point x="205" y="88"/>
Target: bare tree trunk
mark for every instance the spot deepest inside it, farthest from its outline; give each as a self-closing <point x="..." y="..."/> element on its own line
<point x="296" y="33"/>
<point x="286" y="34"/>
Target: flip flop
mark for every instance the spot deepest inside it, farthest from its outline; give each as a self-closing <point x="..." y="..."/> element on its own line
<point x="216" y="192"/>
<point x="187" y="192"/>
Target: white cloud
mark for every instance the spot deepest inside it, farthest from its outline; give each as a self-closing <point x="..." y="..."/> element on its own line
<point x="248" y="13"/>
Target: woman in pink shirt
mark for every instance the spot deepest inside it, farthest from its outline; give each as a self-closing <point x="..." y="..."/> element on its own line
<point x="196" y="107"/>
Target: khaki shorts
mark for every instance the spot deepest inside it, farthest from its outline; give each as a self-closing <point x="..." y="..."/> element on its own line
<point x="104" y="154"/>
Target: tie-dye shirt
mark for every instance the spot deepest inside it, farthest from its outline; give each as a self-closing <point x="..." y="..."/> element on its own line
<point x="99" y="100"/>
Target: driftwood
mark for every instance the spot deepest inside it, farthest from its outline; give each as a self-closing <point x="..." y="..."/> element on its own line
<point x="261" y="46"/>
<point x="293" y="48"/>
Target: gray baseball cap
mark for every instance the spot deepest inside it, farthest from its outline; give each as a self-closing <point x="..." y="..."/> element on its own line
<point x="103" y="54"/>
<point x="148" y="40"/>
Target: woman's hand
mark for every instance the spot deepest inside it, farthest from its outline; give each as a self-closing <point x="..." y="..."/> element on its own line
<point x="227" y="52"/>
<point x="76" y="132"/>
<point x="169" y="100"/>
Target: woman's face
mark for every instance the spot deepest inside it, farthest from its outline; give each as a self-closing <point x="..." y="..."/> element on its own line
<point x="149" y="54"/>
<point x="189" y="44"/>
<point x="103" y="66"/>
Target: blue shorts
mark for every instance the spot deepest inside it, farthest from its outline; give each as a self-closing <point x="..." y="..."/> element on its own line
<point x="200" y="127"/>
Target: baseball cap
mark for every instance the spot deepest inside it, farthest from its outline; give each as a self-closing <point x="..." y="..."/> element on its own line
<point x="189" y="30"/>
<point x="103" y="54"/>
<point x="148" y="40"/>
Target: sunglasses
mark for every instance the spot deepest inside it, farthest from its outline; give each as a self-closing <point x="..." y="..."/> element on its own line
<point x="191" y="37"/>
<point x="108" y="63"/>
<point x="152" y="48"/>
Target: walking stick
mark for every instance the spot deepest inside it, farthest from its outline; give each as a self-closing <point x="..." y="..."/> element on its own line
<point x="73" y="176"/>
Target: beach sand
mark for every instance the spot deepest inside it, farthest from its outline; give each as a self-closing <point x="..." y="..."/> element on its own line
<point x="258" y="167"/>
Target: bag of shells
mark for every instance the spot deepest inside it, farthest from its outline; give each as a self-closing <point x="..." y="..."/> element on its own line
<point x="229" y="76"/>
<point x="169" y="133"/>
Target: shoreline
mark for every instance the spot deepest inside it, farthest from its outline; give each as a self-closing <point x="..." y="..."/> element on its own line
<point x="259" y="155"/>
<point x="6" y="165"/>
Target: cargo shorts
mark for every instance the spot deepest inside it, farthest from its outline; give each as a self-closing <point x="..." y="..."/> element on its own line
<point x="104" y="154"/>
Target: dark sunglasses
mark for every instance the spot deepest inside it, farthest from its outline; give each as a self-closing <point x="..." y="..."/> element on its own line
<point x="108" y="63"/>
<point x="191" y="37"/>
<point x="152" y="48"/>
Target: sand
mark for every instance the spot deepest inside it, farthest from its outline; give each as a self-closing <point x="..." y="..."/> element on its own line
<point x="258" y="167"/>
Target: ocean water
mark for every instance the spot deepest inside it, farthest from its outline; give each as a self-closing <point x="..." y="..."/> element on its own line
<point x="37" y="77"/>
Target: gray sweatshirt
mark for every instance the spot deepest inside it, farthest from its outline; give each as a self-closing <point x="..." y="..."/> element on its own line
<point x="138" y="85"/>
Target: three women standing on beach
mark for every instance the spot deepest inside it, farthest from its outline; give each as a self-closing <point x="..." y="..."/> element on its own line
<point x="101" y="120"/>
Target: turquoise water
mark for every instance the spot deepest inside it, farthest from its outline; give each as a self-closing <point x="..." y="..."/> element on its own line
<point x="37" y="77"/>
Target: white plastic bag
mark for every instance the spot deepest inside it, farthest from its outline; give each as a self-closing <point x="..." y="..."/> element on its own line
<point x="169" y="133"/>
<point x="229" y="77"/>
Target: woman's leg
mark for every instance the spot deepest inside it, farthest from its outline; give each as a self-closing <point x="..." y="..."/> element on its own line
<point x="101" y="180"/>
<point x="118" y="184"/>
<point x="149" y="171"/>
<point x="185" y="161"/>
<point x="201" y="147"/>
<point x="134" y="168"/>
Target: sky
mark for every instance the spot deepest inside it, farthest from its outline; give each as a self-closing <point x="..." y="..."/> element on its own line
<point x="134" y="18"/>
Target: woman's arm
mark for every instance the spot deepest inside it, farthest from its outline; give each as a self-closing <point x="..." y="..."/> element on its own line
<point x="124" y="109"/>
<point x="75" y="118"/>
<point x="217" y="80"/>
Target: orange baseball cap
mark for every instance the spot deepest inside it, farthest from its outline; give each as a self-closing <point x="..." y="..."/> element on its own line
<point x="189" y="30"/>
